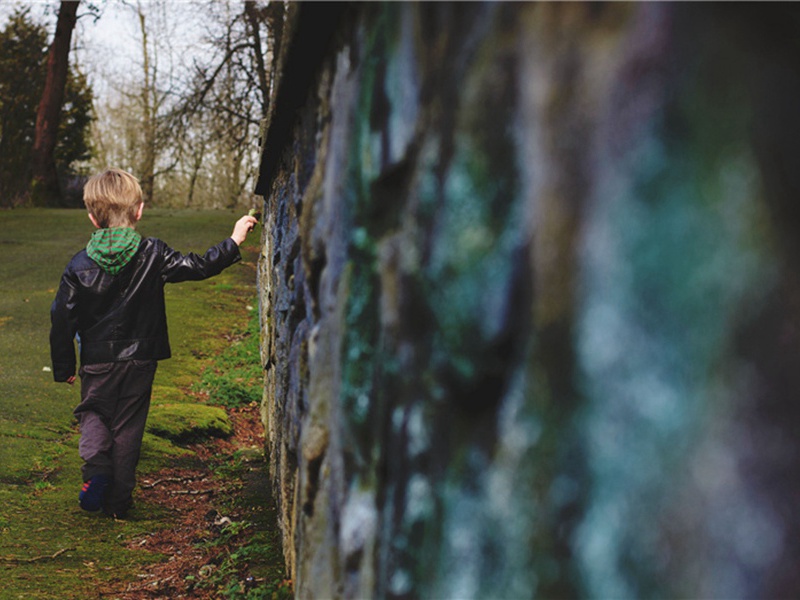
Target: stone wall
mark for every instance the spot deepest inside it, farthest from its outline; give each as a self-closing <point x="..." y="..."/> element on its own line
<point x="530" y="300"/>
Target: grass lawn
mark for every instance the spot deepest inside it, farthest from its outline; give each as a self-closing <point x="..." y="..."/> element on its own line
<point x="49" y="548"/>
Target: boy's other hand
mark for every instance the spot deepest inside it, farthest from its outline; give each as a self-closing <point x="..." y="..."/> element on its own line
<point x="71" y="380"/>
<point x="243" y="226"/>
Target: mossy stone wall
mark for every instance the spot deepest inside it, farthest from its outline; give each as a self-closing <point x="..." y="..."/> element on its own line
<point x="530" y="301"/>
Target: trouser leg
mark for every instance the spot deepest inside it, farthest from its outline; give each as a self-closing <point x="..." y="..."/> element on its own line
<point x="113" y="415"/>
<point x="95" y="446"/>
<point x="99" y="385"/>
<point x="127" y="430"/>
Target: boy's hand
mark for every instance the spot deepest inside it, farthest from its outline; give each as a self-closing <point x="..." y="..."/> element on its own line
<point x="71" y="380"/>
<point x="242" y="228"/>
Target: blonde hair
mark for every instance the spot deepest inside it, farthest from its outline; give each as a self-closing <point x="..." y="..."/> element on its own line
<point x="113" y="198"/>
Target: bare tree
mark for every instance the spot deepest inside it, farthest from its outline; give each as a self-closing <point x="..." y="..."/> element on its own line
<point x="234" y="86"/>
<point x="135" y="130"/>
<point x="191" y="127"/>
<point x="148" y="110"/>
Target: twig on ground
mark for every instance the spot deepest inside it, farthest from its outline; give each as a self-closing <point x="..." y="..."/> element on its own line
<point x="192" y="492"/>
<point x="148" y="486"/>
<point x="16" y="559"/>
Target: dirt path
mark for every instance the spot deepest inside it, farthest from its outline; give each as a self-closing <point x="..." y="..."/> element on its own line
<point x="222" y="541"/>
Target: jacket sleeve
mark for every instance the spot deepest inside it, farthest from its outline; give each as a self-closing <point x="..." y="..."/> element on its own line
<point x="63" y="327"/>
<point x="179" y="267"/>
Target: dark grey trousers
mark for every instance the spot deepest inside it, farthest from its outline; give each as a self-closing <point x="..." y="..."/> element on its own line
<point x="115" y="398"/>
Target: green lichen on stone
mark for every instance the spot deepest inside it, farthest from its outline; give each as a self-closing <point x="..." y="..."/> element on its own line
<point x="470" y="200"/>
<point x="188" y="422"/>
<point x="360" y="368"/>
<point x="471" y="259"/>
<point x="361" y="357"/>
<point x="678" y="260"/>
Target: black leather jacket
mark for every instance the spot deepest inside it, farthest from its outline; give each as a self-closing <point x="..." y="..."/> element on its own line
<point x="122" y="317"/>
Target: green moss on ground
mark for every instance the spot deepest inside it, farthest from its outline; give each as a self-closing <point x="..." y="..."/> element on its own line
<point x="157" y="449"/>
<point x="184" y="423"/>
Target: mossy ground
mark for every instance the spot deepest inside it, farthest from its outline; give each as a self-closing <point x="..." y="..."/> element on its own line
<point x="49" y="548"/>
<point x="187" y="422"/>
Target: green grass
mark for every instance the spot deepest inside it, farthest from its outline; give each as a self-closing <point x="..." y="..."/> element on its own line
<point x="256" y="540"/>
<point x="233" y="380"/>
<point x="39" y="463"/>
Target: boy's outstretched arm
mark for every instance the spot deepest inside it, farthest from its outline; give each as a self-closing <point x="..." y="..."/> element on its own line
<point x="178" y="267"/>
<point x="243" y="226"/>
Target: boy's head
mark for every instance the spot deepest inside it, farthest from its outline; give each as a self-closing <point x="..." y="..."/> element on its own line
<point x="113" y="199"/>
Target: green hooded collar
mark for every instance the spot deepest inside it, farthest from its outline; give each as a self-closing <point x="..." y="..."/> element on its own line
<point x="113" y="248"/>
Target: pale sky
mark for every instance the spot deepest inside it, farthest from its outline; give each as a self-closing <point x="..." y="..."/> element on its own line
<point x="109" y="49"/>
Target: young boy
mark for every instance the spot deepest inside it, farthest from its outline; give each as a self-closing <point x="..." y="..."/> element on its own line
<point x="112" y="297"/>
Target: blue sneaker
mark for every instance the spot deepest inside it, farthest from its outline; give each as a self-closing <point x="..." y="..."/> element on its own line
<point x="93" y="492"/>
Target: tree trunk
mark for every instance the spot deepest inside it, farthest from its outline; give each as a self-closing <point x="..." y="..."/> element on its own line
<point x="251" y="11"/>
<point x="147" y="175"/>
<point x="45" y="186"/>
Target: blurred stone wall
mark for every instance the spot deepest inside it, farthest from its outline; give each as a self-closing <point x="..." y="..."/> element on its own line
<point x="531" y="302"/>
